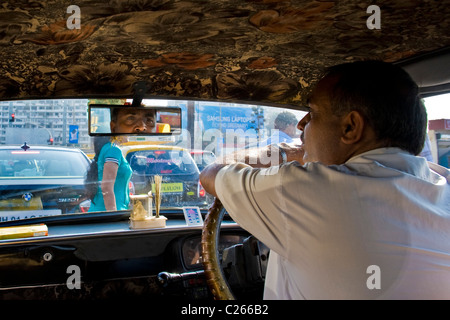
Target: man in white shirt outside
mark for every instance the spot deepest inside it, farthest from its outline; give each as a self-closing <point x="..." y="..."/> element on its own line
<point x="352" y="213"/>
<point x="284" y="129"/>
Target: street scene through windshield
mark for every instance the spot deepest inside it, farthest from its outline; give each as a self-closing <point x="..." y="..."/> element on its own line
<point x="38" y="134"/>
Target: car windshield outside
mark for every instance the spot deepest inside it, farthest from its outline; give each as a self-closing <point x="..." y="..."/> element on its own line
<point x="180" y="174"/>
<point x="46" y="146"/>
<point x="25" y="162"/>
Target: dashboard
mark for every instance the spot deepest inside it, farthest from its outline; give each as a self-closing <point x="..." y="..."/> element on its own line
<point x="107" y="254"/>
<point x="191" y="248"/>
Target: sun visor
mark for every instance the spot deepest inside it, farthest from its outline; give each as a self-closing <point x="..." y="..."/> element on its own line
<point x="430" y="71"/>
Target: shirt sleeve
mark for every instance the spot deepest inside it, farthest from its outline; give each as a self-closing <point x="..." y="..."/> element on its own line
<point x="113" y="155"/>
<point x="252" y="198"/>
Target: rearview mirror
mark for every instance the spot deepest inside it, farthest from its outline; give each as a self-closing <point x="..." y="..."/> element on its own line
<point x="112" y="120"/>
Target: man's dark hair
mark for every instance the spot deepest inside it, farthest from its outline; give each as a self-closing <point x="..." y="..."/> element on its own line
<point x="388" y="99"/>
<point x="115" y="113"/>
<point x="284" y="119"/>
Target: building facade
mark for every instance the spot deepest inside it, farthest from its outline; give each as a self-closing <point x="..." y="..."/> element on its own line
<point x="50" y="120"/>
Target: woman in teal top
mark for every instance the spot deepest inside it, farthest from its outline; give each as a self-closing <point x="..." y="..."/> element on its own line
<point x="114" y="175"/>
<point x="107" y="180"/>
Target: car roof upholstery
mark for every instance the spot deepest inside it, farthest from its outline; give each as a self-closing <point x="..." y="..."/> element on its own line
<point x="269" y="51"/>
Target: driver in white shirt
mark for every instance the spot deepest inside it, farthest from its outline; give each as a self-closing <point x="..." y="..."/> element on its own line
<point x="352" y="213"/>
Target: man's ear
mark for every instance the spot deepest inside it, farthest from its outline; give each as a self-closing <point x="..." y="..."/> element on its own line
<point x="352" y="127"/>
<point x="112" y="126"/>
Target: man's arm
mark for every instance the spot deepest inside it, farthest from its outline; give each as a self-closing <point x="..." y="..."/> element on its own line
<point x="265" y="157"/>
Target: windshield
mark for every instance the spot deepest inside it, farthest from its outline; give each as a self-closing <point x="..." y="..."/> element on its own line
<point x="46" y="151"/>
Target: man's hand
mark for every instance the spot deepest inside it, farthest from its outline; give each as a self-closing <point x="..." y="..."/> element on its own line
<point x="257" y="158"/>
<point x="294" y="152"/>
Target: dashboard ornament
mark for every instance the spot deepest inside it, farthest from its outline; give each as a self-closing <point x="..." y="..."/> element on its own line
<point x="142" y="218"/>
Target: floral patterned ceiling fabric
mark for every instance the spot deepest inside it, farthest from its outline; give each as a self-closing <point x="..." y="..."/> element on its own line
<point x="249" y="50"/>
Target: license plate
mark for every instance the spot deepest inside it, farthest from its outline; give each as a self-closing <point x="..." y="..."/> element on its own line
<point x="34" y="203"/>
<point x="169" y="188"/>
<point x="25" y="214"/>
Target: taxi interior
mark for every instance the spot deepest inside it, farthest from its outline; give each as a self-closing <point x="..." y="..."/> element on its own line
<point x="244" y="52"/>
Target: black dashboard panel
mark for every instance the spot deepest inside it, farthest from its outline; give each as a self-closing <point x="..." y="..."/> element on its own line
<point x="104" y="254"/>
<point x="191" y="248"/>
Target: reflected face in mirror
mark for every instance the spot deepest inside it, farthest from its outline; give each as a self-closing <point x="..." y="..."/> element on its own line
<point x="133" y="120"/>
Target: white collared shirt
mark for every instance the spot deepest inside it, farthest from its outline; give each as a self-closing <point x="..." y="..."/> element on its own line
<point x="376" y="227"/>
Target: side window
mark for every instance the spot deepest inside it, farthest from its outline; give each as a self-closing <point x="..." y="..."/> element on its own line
<point x="24" y="168"/>
<point x="58" y="168"/>
<point x="437" y="147"/>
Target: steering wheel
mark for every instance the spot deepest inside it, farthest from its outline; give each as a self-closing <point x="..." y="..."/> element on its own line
<point x="210" y="254"/>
